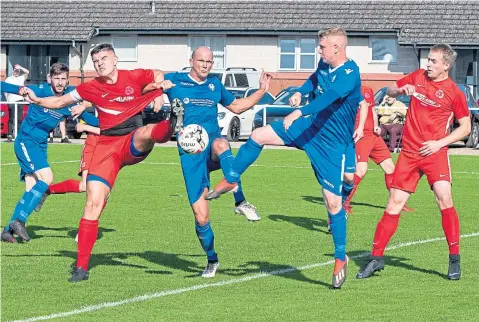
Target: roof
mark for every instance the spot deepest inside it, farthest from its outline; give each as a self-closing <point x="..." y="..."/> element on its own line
<point x="427" y="22"/>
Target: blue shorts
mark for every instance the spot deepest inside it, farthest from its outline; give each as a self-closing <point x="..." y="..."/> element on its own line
<point x="350" y="163"/>
<point x="196" y="170"/>
<point x="327" y="161"/>
<point x="30" y="155"/>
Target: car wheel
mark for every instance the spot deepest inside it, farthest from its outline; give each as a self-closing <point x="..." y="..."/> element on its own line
<point x="234" y="130"/>
<point x="474" y="136"/>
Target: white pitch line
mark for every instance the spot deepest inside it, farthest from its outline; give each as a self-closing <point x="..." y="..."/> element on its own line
<point x="150" y="296"/>
<point x="253" y="165"/>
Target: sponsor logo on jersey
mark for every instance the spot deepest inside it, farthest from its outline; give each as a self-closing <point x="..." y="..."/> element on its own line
<point x="211" y="87"/>
<point x="348" y="71"/>
<point x="129" y="90"/>
<point x="186" y="100"/>
<point x="425" y="100"/>
<point x="187" y="84"/>
<point x="440" y="93"/>
<point x="366" y="95"/>
<point x="122" y="99"/>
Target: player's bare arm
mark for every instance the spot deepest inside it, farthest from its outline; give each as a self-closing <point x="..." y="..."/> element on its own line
<point x="430" y="147"/>
<point x="363" y="114"/>
<point x="80" y="127"/>
<point x="395" y="91"/>
<point x="53" y="102"/>
<point x="240" y="105"/>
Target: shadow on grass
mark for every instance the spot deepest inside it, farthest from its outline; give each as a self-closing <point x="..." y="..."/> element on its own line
<point x="35" y="232"/>
<point x="314" y="224"/>
<point x="361" y="257"/>
<point x="320" y="201"/>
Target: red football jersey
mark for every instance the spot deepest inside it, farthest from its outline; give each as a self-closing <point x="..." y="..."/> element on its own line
<point x="118" y="102"/>
<point x="369" y="98"/>
<point x="432" y="109"/>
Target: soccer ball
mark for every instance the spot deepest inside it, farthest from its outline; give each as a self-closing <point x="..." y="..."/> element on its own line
<point x="193" y="139"/>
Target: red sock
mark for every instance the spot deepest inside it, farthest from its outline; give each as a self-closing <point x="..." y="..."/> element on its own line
<point x="66" y="186"/>
<point x="162" y="132"/>
<point x="87" y="235"/>
<point x="450" y="224"/>
<point x="357" y="180"/>
<point x="384" y="231"/>
<point x="388" y="178"/>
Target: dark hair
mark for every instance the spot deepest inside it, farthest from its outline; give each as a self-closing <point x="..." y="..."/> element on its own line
<point x="59" y="68"/>
<point x="102" y="47"/>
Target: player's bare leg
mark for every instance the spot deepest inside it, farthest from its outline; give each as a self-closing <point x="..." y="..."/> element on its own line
<point x="97" y="195"/>
<point x="388" y="168"/>
<point x="260" y="137"/>
<point x="450" y="224"/>
<point x="205" y="234"/>
<point x="385" y="229"/>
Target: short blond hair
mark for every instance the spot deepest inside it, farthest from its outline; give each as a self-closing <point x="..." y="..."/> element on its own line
<point x="336" y="31"/>
<point x="449" y="55"/>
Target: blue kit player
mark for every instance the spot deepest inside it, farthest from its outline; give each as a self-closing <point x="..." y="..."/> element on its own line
<point x="323" y="129"/>
<point x="31" y="149"/>
<point x="198" y="94"/>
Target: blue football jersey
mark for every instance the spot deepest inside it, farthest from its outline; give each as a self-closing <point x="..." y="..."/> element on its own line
<point x="338" y="94"/>
<point x="200" y="100"/>
<point x="39" y="121"/>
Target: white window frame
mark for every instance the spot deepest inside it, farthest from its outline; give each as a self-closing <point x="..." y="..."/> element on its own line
<point x="121" y="58"/>
<point x="298" y="54"/>
<point x="372" y="61"/>
<point x="208" y="43"/>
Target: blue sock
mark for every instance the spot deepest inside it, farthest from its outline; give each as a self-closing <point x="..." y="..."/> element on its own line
<point x="247" y="155"/>
<point x="346" y="191"/>
<point x="338" y="230"/>
<point x="30" y="200"/>
<point x="17" y="211"/>
<point x="239" y="196"/>
<point x="226" y="162"/>
<point x="207" y="240"/>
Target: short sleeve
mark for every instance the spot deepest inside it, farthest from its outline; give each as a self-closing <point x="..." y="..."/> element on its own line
<point x="226" y="97"/>
<point x="409" y="78"/>
<point x="459" y="105"/>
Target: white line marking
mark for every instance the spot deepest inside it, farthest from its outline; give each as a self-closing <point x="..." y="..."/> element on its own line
<point x="253" y="165"/>
<point x="150" y="296"/>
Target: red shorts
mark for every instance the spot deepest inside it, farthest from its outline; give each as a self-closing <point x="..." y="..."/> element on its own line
<point x="111" y="154"/>
<point x="372" y="146"/>
<point x="87" y="152"/>
<point x="410" y="168"/>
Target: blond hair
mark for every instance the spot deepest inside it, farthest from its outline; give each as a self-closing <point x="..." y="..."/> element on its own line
<point x="448" y="54"/>
<point x="333" y="32"/>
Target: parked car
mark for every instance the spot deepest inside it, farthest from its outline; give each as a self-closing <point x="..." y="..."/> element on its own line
<point x="234" y="76"/>
<point x="278" y="109"/>
<point x="4" y="119"/>
<point x="471" y="140"/>
<point x="239" y="126"/>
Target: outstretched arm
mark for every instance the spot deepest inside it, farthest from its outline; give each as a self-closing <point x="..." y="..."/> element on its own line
<point x="54" y="102"/>
<point x="240" y="105"/>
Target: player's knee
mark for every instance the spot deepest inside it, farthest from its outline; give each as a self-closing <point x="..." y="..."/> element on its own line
<point x="348" y="178"/>
<point x="220" y="145"/>
<point x="445" y="201"/>
<point x="256" y="136"/>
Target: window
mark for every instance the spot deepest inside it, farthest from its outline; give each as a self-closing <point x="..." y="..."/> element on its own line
<point x="37" y="59"/>
<point x="383" y="49"/>
<point x="297" y="54"/>
<point x="217" y="46"/>
<point x="126" y="48"/>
